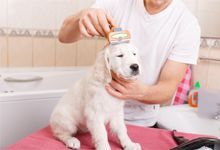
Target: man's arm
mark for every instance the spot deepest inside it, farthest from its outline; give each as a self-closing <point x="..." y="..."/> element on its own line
<point x="170" y="77"/>
<point x="163" y="91"/>
<point x="69" y="31"/>
<point x="88" y="23"/>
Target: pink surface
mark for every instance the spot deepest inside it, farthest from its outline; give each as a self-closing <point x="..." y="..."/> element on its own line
<point x="149" y="138"/>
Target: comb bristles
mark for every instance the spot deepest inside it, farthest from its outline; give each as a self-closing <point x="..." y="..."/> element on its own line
<point x="121" y="41"/>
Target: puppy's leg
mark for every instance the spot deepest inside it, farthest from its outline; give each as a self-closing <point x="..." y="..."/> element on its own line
<point x="118" y="127"/>
<point x="65" y="134"/>
<point x="99" y="134"/>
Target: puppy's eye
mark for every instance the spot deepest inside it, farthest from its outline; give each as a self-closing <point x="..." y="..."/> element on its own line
<point x="134" y="54"/>
<point x="120" y="55"/>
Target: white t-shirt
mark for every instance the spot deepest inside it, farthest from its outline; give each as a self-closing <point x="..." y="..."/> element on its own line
<point x="172" y="34"/>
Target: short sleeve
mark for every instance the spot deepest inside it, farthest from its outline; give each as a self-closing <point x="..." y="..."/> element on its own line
<point x="187" y="43"/>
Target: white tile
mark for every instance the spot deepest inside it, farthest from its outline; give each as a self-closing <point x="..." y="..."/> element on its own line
<point x="65" y="8"/>
<point x="44" y="14"/>
<point x="214" y="70"/>
<point x="3" y="51"/>
<point x="200" y="71"/>
<point x="210" y="5"/>
<point x="85" y="3"/>
<point x="208" y="14"/>
<point x="209" y="23"/>
<point x="192" y="5"/>
<point x="20" y="13"/>
<point x="3" y="13"/>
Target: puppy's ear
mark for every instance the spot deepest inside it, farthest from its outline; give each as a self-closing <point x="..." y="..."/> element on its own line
<point x="107" y="73"/>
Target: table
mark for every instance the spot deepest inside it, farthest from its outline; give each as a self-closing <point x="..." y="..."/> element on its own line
<point x="149" y="138"/>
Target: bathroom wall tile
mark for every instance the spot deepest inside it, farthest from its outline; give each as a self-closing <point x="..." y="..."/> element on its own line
<point x="204" y="52"/>
<point x="44" y="14"/>
<point x="200" y="71"/>
<point x="208" y="12"/>
<point x="43" y="52"/>
<point x="19" y="51"/>
<point x="20" y="13"/>
<point x="214" y="70"/>
<point x="44" y="33"/>
<point x="65" y="8"/>
<point x="213" y="5"/>
<point x="65" y="54"/>
<point x="209" y="24"/>
<point x="192" y="5"/>
<point x="86" y="51"/>
<point x="3" y="51"/>
<point x="3" y="13"/>
<point x="82" y="4"/>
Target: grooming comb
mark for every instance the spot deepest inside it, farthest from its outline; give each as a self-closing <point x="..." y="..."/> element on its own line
<point x="117" y="36"/>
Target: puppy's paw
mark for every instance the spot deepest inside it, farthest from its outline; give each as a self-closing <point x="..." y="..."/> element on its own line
<point x="133" y="146"/>
<point x="103" y="147"/>
<point x="73" y="143"/>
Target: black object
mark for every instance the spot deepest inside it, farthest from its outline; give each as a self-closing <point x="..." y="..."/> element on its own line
<point x="185" y="144"/>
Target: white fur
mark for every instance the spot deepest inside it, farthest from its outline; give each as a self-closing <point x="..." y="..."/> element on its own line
<point x="87" y="105"/>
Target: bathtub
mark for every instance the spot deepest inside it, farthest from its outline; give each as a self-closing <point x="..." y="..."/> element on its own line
<point x="28" y="96"/>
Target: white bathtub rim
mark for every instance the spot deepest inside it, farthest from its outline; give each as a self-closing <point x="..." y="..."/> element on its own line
<point x="43" y="69"/>
<point x="28" y="96"/>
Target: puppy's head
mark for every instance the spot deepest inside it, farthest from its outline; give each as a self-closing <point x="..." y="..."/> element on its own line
<point x="123" y="60"/>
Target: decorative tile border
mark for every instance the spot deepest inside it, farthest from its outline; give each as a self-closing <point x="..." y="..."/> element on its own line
<point x="210" y="42"/>
<point x="206" y="42"/>
<point x="2" y="32"/>
<point x="28" y="32"/>
<point x="19" y="32"/>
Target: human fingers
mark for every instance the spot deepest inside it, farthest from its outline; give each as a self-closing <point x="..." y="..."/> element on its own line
<point x="104" y="22"/>
<point x="96" y="24"/>
<point x="117" y="86"/>
<point x="83" y="30"/>
<point x="89" y="26"/>
<point x="114" y="93"/>
<point x="110" y="20"/>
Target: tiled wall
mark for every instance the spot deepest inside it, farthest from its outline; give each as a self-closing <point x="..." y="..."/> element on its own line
<point x="28" y="36"/>
<point x="38" y="14"/>
<point x="208" y="71"/>
<point x="208" y="14"/>
<point x="25" y="48"/>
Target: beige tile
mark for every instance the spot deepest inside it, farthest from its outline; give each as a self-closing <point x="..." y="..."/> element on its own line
<point x="200" y="71"/>
<point x="44" y="52"/>
<point x="65" y="54"/>
<point x="3" y="51"/>
<point x="19" y="51"/>
<point x="204" y="52"/>
<point x="86" y="52"/>
<point x="214" y="70"/>
<point x="215" y="53"/>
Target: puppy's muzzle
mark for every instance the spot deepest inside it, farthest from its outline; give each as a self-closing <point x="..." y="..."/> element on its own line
<point x="135" y="69"/>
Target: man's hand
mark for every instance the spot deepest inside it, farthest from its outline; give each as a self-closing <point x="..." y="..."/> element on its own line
<point x="162" y="92"/>
<point x="125" y="89"/>
<point x="88" y="23"/>
<point x="95" y="22"/>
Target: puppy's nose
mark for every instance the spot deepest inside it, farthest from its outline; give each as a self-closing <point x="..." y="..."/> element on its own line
<point x="134" y="67"/>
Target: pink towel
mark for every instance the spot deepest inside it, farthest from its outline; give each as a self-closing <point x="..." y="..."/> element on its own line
<point x="183" y="88"/>
<point x="149" y="138"/>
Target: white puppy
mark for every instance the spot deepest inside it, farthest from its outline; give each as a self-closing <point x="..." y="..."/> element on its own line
<point x="88" y="106"/>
